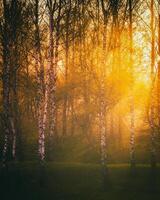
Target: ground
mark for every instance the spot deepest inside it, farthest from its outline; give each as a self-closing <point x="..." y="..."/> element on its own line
<point x="62" y="181"/>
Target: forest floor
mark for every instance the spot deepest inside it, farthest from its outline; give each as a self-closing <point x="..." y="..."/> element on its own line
<point x="59" y="181"/>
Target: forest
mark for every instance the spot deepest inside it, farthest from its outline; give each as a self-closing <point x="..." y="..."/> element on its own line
<point x="80" y="99"/>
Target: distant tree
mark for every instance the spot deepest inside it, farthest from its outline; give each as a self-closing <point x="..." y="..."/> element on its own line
<point x="13" y="35"/>
<point x="152" y="114"/>
<point x="132" y="112"/>
<point x="102" y="114"/>
<point x="54" y="14"/>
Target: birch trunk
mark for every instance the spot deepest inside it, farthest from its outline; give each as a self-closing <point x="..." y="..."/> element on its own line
<point x="6" y="88"/>
<point x="153" y="140"/>
<point x="42" y="95"/>
<point x="15" y="120"/>
<point x="132" y="116"/>
<point x="6" y="104"/>
<point x="73" y="72"/>
<point x="103" y="129"/>
<point x="158" y="69"/>
<point x="103" y="137"/>
<point x="13" y="139"/>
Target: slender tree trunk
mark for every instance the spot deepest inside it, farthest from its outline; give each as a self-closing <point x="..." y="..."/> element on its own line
<point x="13" y="139"/>
<point x="42" y="94"/>
<point x="52" y="85"/>
<point x="6" y="89"/>
<point x="153" y="139"/>
<point x="158" y="69"/>
<point x="14" y="121"/>
<point x="72" y="117"/>
<point x="73" y="96"/>
<point x="86" y="97"/>
<point x="6" y="112"/>
<point x="118" y="71"/>
<point x="28" y="103"/>
<point x="103" y="130"/>
<point x="6" y="103"/>
<point x="112" y="125"/>
<point x="65" y="105"/>
<point x="132" y="116"/>
<point x="103" y="137"/>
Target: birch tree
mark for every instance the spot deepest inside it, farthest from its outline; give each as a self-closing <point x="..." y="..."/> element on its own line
<point x="12" y="29"/>
<point x="42" y="94"/>
<point x="6" y="81"/>
<point x="103" y="139"/>
<point x="158" y="66"/>
<point x="132" y="115"/>
<point x="152" y="125"/>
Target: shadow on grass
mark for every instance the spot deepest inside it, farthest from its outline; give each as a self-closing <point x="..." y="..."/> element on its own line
<point x="78" y="182"/>
<point x="106" y="180"/>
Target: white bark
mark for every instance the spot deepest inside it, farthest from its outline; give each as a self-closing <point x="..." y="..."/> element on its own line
<point x="42" y="94"/>
<point x="103" y="106"/>
<point x="153" y="148"/>
<point x="5" y="147"/>
<point x="14" y="139"/>
<point x="132" y="117"/>
<point x="103" y="127"/>
<point x="132" y="132"/>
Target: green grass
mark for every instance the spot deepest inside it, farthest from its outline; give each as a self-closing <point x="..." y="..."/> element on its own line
<point x="62" y="181"/>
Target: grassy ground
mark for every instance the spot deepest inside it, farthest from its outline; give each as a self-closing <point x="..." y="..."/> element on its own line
<point x="58" y="181"/>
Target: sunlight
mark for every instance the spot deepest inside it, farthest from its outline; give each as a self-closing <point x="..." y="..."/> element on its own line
<point x="79" y="94"/>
